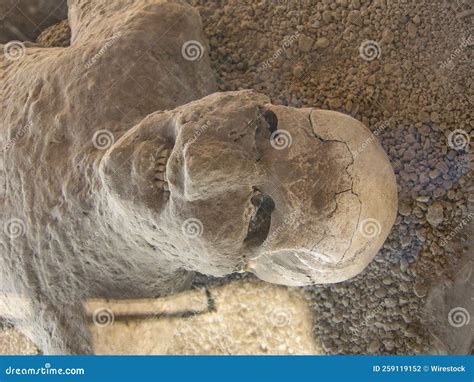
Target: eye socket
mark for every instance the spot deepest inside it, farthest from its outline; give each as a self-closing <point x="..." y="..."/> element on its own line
<point x="272" y="121"/>
<point x="266" y="131"/>
<point x="259" y="225"/>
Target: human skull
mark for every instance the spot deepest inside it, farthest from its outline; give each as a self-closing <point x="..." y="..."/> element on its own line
<point x="233" y="183"/>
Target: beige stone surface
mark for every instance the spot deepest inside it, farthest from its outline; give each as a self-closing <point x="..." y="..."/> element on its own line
<point x="248" y="317"/>
<point x="251" y="318"/>
<point x="12" y="342"/>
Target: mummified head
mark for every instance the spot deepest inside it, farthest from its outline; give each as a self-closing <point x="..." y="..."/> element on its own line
<point x="231" y="183"/>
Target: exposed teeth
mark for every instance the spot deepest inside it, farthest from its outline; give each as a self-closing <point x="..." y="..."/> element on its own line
<point x="160" y="175"/>
<point x="165" y="153"/>
<point x="162" y="160"/>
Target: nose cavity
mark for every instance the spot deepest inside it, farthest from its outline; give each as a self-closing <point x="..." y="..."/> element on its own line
<point x="259" y="225"/>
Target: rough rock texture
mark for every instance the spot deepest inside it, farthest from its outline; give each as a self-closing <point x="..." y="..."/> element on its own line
<point x="449" y="306"/>
<point x="240" y="321"/>
<point x="58" y="35"/>
<point x="54" y="210"/>
<point x="124" y="205"/>
<point x="234" y="318"/>
<point x="12" y="342"/>
<point x="24" y="20"/>
<point x="245" y="323"/>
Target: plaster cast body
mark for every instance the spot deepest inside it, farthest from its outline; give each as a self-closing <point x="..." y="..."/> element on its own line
<point x="183" y="186"/>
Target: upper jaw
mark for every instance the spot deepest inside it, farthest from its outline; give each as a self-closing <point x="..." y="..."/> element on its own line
<point x="161" y="177"/>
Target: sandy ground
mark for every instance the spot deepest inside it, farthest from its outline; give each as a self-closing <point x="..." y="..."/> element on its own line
<point x="236" y="318"/>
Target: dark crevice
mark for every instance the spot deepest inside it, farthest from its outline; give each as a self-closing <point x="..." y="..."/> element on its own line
<point x="272" y="121"/>
<point x="259" y="225"/>
<point x="266" y="130"/>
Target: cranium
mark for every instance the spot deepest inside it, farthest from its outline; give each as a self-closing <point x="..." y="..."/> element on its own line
<point x="215" y="183"/>
<point x="278" y="191"/>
